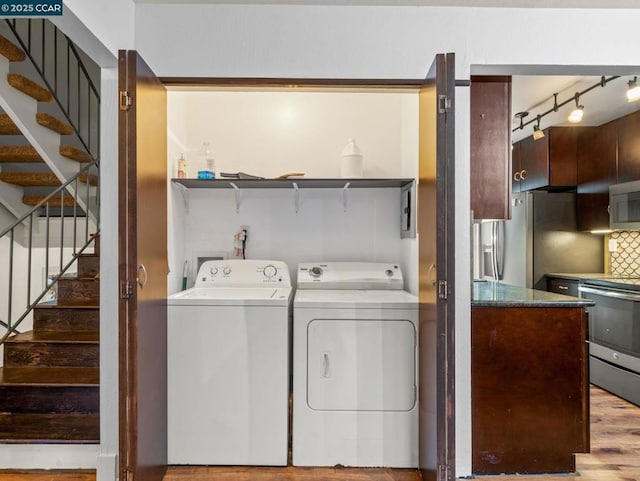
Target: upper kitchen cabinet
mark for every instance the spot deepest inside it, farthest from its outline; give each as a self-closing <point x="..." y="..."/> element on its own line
<point x="549" y="162"/>
<point x="628" y="128"/>
<point x="596" y="171"/>
<point x="491" y="147"/>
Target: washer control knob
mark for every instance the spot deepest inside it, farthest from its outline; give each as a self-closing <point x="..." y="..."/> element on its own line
<point x="315" y="272"/>
<point x="389" y="273"/>
<point x="270" y="271"/>
<point x="213" y="271"/>
<point x="226" y="270"/>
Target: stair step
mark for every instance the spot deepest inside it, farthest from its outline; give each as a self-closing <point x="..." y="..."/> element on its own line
<point x="88" y="265"/>
<point x="29" y="87"/>
<point x="7" y="127"/>
<point x="53" y="123"/>
<point x="10" y="50"/>
<point x="19" y="153"/>
<point x="49" y="390"/>
<point x="55" y="428"/>
<point x="93" y="179"/>
<point x="78" y="289"/>
<point x="30" y="179"/>
<point x="53" y="349"/>
<point x="55" y="201"/>
<point x="75" y="154"/>
<point x="50" y="316"/>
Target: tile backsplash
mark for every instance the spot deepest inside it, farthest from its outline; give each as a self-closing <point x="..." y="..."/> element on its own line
<point x="625" y="261"/>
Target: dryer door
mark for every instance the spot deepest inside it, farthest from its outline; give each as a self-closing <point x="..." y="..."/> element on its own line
<point x="361" y="365"/>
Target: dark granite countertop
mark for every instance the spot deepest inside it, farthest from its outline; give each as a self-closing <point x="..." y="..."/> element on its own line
<point x="496" y="294"/>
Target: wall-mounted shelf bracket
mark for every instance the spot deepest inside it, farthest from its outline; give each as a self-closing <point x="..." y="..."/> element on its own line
<point x="237" y="194"/>
<point x="184" y="193"/>
<point x="345" y="196"/>
<point x="296" y="196"/>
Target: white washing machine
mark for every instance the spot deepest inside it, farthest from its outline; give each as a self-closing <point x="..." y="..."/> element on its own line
<point x="355" y="396"/>
<point x="228" y="365"/>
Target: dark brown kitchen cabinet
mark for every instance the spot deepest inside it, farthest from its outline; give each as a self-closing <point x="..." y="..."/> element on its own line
<point x="490" y="147"/>
<point x="597" y="153"/>
<point x="628" y="128"/>
<point x="529" y="389"/>
<point x="550" y="162"/>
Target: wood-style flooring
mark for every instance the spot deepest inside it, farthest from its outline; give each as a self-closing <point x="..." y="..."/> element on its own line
<point x="615" y="456"/>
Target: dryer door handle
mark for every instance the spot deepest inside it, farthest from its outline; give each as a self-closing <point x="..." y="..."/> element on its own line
<point x="326" y="365"/>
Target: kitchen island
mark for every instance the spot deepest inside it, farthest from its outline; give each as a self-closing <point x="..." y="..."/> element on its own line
<point x="529" y="380"/>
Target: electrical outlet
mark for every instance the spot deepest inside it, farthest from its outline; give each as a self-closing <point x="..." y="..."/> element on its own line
<point x="613" y="245"/>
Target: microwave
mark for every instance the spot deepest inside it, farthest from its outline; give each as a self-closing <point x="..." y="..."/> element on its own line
<point x="624" y="206"/>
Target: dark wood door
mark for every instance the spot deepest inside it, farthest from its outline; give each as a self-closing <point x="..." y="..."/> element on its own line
<point x="436" y="222"/>
<point x="516" y="168"/>
<point x="142" y="271"/>
<point x="628" y="147"/>
<point x="534" y="162"/>
<point x="491" y="147"/>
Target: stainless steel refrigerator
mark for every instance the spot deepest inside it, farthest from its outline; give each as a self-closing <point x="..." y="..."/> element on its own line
<point x="540" y="237"/>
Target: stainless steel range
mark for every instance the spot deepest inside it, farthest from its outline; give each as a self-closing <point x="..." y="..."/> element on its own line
<point x="614" y="335"/>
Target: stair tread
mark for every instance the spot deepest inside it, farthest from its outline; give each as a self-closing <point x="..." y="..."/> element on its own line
<point x="50" y="376"/>
<point x="30" y="179"/>
<point x="10" y="50"/>
<point x="53" y="123"/>
<point x="59" y="427"/>
<point x="7" y="126"/>
<point x="29" y="87"/>
<point x="19" y="153"/>
<point x="55" y="201"/>
<point x="75" y="154"/>
<point x="68" y="304"/>
<point x="67" y="337"/>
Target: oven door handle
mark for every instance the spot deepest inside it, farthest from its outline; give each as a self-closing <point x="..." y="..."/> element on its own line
<point x="610" y="293"/>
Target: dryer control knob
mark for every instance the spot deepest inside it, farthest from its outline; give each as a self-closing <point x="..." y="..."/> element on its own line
<point x="213" y="271"/>
<point x="270" y="271"/>
<point x="315" y="272"/>
<point x="226" y="270"/>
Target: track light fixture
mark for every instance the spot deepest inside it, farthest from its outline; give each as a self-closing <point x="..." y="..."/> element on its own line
<point x="576" y="114"/>
<point x="633" y="90"/>
<point x="537" y="132"/>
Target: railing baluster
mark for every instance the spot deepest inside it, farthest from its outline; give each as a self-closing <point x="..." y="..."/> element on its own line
<point x="75" y="215"/>
<point x="55" y="61"/>
<point x="29" y="259"/>
<point x="61" y="225"/>
<point x="46" y="246"/>
<point x="10" y="297"/>
<point x="44" y="65"/>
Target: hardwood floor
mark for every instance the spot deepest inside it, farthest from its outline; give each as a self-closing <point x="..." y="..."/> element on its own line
<point x="615" y="456"/>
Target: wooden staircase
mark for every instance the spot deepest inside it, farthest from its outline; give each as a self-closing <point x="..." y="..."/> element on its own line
<point x="49" y="384"/>
<point x="20" y="163"/>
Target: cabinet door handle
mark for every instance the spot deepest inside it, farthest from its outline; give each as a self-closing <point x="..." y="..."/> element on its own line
<point x="563" y="288"/>
<point x="517" y="176"/>
<point x="523" y="174"/>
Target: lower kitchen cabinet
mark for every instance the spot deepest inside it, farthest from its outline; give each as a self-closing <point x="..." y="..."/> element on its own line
<point x="530" y="398"/>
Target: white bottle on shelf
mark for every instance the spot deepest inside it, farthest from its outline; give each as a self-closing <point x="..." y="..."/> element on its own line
<point x="351" y="160"/>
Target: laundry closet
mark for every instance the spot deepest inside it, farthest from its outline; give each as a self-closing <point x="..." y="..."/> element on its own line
<point x="320" y="214"/>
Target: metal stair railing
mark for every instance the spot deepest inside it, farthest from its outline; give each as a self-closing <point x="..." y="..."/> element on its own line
<point x="59" y="64"/>
<point x="79" y="241"/>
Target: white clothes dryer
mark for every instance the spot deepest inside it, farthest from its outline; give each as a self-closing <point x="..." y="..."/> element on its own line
<point x="229" y="364"/>
<point x="355" y="335"/>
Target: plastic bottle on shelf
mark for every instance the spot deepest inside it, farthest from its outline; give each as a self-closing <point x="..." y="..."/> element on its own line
<point x="182" y="167"/>
<point x="351" y="160"/>
<point x="210" y="165"/>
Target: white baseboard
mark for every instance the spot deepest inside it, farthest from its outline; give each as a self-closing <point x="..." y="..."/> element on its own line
<point x="49" y="456"/>
<point x="107" y="467"/>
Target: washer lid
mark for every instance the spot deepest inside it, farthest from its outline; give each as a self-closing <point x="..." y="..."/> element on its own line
<point x="339" y="299"/>
<point x="222" y="296"/>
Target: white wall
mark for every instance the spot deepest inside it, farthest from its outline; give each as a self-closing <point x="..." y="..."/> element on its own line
<point x="271" y="133"/>
<point x="377" y="42"/>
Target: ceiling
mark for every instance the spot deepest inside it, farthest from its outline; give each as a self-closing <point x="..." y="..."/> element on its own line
<point x="534" y="94"/>
<point x="430" y="3"/>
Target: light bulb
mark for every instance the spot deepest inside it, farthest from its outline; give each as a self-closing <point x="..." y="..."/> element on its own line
<point x="576" y="115"/>
<point x="633" y="92"/>
<point x="537" y="133"/>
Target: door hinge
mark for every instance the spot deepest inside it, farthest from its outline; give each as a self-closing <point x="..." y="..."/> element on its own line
<point x="126" y="290"/>
<point x="125" y="100"/>
<point x="444" y="104"/>
<point x="442" y="289"/>
<point x="444" y="472"/>
<point x="127" y="474"/>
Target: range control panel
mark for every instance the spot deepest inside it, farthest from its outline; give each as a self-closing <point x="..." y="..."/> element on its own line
<point x="349" y="275"/>
<point x="243" y="273"/>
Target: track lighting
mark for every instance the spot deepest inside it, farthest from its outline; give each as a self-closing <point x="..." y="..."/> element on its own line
<point x="537" y="132"/>
<point x="576" y="115"/>
<point x="521" y="116"/>
<point x="633" y="91"/>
